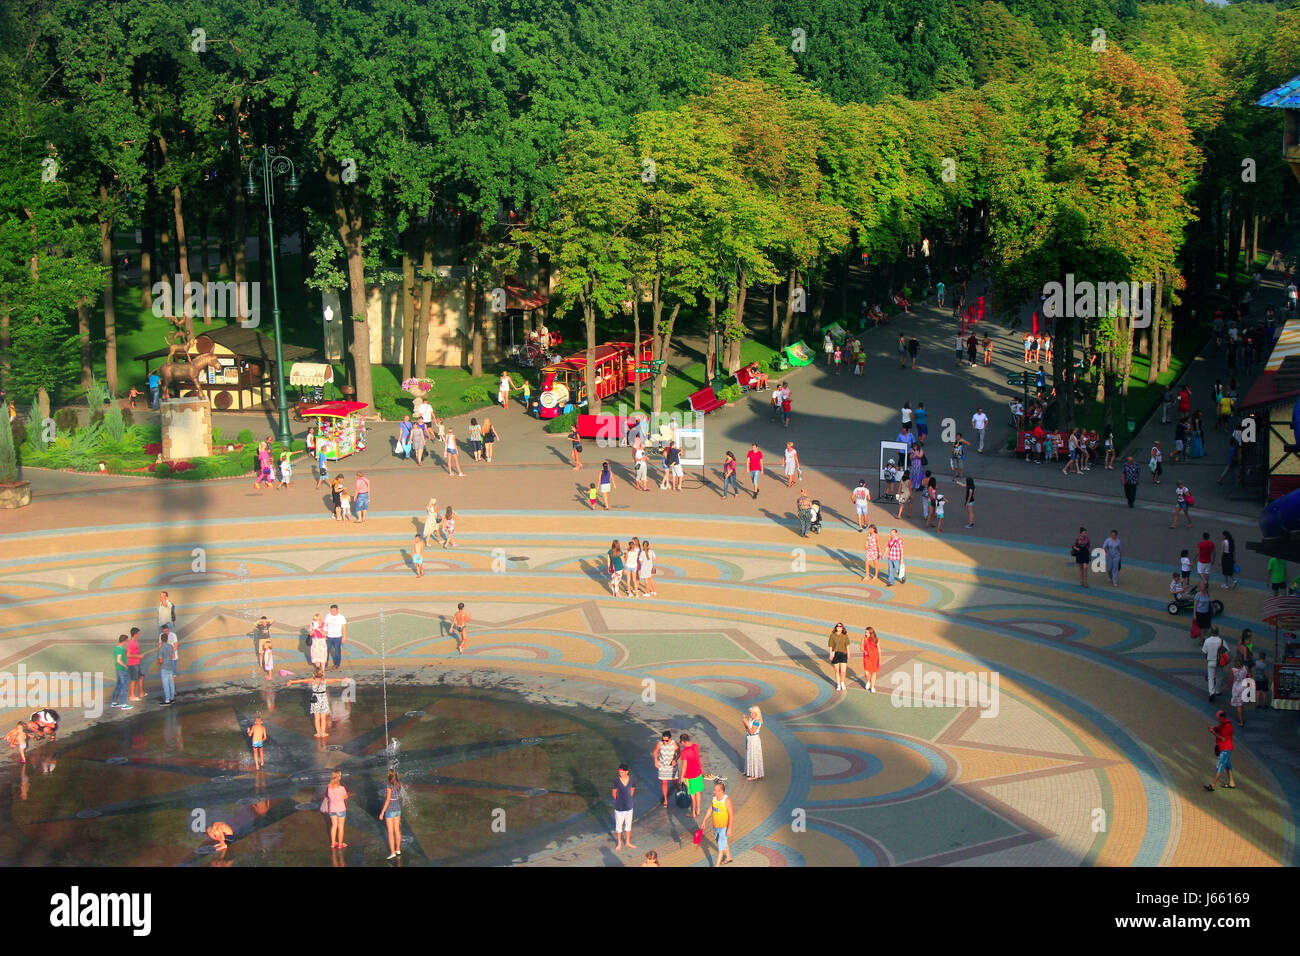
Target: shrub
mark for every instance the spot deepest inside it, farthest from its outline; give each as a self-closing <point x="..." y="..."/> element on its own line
<point x="128" y="417"/>
<point x="245" y="436"/>
<point x="153" y="448"/>
<point x="19" y="432"/>
<point x="298" y="444"/>
<point x="730" y="393"/>
<point x="162" y="469"/>
<point x="476" y="396"/>
<point x="562" y="423"/>
<point x="114" y="422"/>
<point x="66" y="420"/>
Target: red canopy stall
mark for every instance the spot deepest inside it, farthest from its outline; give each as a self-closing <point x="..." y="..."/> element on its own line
<point x="1283" y="613"/>
<point x="339" y="430"/>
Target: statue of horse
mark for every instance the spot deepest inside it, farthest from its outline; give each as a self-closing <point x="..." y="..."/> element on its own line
<point x="181" y="372"/>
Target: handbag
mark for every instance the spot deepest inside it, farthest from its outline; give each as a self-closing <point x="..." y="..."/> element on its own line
<point x="902" y="570"/>
<point x="1189" y="499"/>
<point x="325" y="804"/>
<point x="1152" y="464"/>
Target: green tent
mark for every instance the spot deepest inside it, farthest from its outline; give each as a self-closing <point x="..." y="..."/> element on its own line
<point x="800" y="354"/>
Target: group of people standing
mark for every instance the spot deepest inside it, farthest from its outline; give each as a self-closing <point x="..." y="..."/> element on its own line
<point x="129" y="659"/>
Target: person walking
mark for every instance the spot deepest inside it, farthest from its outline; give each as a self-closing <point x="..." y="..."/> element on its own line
<point x="803" y="505"/>
<point x="913" y="349"/>
<point x="1114" y="551"/>
<point x="1228" y="557"/>
<point x="1082" y="552"/>
<point x="754" y="460"/>
<point x="316" y="652"/>
<point x="870" y="659"/>
<point x="665" y="759"/>
<point x="958" y="457"/>
<point x="336" y="635"/>
<point x="606" y="483"/>
<point x="753" y="722"/>
<point x="361" y="499"/>
<point x="460" y="627"/>
<point x="729" y="475"/>
<point x="673" y="466"/>
<point x="391" y="814"/>
<point x="873" y="554"/>
<point x="452" y="451"/>
<point x="861" y="503"/>
<point x="1240" y="675"/>
<point x="791" y="464"/>
<point x="894" y="554"/>
<point x="623" y="792"/>
<point x="1222" y="731"/>
<point x="980" y="422"/>
<point x="1183" y="502"/>
<point x="839" y="654"/>
<point x="1214" y="651"/>
<point x="418" y="439"/>
<point x="970" y="502"/>
<point x="724" y="817"/>
<point x="641" y="468"/>
<point x="504" y="388"/>
<point x="902" y="350"/>
<point x="1205" y="557"/>
<point x="1203" y="607"/>
<point x="692" y="771"/>
<point x="1156" y="463"/>
<point x="1131" y="476"/>
<point x="432" y="518"/>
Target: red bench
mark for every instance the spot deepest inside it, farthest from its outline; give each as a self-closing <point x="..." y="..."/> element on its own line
<point x="746" y="380"/>
<point x="705" y="401"/>
<point x="605" y="426"/>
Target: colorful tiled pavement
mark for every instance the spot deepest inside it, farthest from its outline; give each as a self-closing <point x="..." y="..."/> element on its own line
<point x="1092" y="750"/>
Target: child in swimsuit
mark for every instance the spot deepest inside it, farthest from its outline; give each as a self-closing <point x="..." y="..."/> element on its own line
<point x="417" y="556"/>
<point x="18" y="738"/>
<point x="258" y="734"/>
<point x="217" y="833"/>
<point x="266" y="655"/>
<point x="460" y="622"/>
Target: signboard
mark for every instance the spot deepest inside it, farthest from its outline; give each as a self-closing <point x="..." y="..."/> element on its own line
<point x="691" y="443"/>
<point x="1287" y="685"/>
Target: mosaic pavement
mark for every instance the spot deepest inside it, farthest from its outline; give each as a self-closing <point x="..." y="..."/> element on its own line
<point x="1092" y="750"/>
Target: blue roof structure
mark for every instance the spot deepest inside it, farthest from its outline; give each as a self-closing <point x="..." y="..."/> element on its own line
<point x="1286" y="96"/>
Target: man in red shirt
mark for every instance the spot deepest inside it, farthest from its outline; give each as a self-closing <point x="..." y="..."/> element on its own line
<point x="1223" y="746"/>
<point x="1038" y="435"/>
<point x="894" y="553"/>
<point x="755" y="459"/>
<point x="1205" y="557"/>
<point x="692" y="771"/>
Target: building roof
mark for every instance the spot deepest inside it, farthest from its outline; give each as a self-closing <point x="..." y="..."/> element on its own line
<point x="247" y="343"/>
<point x="1286" y="96"/>
<point x="1271" y="388"/>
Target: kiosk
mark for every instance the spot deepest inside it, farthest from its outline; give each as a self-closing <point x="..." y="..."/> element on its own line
<point x="339" y="430"/>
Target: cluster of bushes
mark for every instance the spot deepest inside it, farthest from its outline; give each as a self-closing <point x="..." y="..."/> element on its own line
<point x="561" y="424"/>
<point x="729" y="393"/>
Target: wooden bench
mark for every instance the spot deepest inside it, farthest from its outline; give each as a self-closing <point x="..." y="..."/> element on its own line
<point x="705" y="401"/>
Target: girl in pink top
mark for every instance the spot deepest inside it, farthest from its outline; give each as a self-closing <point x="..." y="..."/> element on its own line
<point x="336" y="800"/>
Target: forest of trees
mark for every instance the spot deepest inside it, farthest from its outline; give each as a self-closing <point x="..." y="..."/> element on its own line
<point x="682" y="153"/>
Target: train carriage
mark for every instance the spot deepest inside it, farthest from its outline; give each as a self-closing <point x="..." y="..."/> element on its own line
<point x="616" y="364"/>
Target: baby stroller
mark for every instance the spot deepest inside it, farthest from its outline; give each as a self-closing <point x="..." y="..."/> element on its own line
<point x="815" y="524"/>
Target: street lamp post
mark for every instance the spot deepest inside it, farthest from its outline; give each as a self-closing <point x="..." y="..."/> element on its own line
<point x="266" y="167"/>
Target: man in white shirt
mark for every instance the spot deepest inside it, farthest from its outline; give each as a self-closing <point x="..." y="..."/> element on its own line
<point x="426" y="416"/>
<point x="166" y="610"/>
<point x="1210" y="647"/>
<point x="1291" y="295"/>
<point x="336" y="635"/>
<point x="980" y="421"/>
<point x="861" y="503"/>
<point x="638" y="456"/>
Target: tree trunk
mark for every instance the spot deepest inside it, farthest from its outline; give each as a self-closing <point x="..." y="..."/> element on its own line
<point x="347" y="220"/>
<point x="420" y="356"/>
<point x="204" y="272"/>
<point x="83" y="340"/>
<point x="146" y="260"/>
<point x="735" y="333"/>
<point x="636" y="346"/>
<point x="788" y="320"/>
<point x="110" y="307"/>
<point x="711" y="349"/>
<point x="589" y="370"/>
<point x="409" y="309"/>
<point x="239" y="240"/>
<point x="476" y="324"/>
<point x="772" y="321"/>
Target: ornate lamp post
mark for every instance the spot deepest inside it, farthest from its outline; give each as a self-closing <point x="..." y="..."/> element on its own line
<point x="266" y="168"/>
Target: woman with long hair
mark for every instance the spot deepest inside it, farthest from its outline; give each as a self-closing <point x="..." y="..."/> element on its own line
<point x="336" y="805"/>
<point x="839" y="654"/>
<point x="1229" y="559"/>
<point x="1108" y="442"/>
<point x="615" y="566"/>
<point x="646" y="570"/>
<point x="873" y="553"/>
<point x="630" y="563"/>
<point x="970" y="502"/>
<point x="753" y="722"/>
<point x="870" y="659"/>
<point x="320" y="697"/>
<point x="489" y="439"/>
<point x="391" y="814"/>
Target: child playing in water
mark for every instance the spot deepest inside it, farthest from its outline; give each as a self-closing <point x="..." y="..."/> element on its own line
<point x="265" y="654"/>
<point x="18" y="738"/>
<point x="217" y="833"/>
<point x="257" y="733"/>
<point x="417" y="555"/>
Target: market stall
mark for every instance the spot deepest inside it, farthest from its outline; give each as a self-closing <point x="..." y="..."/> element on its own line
<point x="1283" y="613"/>
<point x="339" y="428"/>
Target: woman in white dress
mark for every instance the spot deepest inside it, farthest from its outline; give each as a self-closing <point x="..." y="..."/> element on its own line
<point x="791" y="464"/>
<point x="646" y="571"/>
<point x="753" y="745"/>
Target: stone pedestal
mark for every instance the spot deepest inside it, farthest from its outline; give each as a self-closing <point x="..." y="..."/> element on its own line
<point x="16" y="495"/>
<point x="186" y="428"/>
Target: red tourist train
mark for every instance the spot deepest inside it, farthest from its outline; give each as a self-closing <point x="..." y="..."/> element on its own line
<point x="617" y="365"/>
